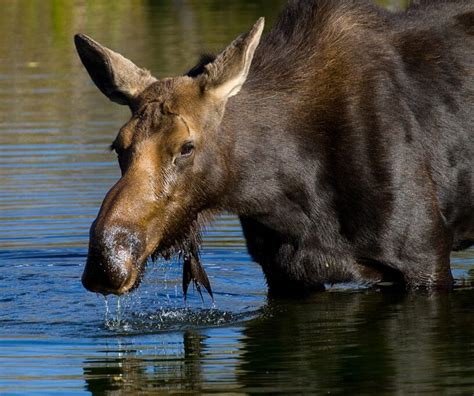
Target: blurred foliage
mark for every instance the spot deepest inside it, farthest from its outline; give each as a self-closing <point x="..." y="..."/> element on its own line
<point x="42" y="78"/>
<point x="168" y="31"/>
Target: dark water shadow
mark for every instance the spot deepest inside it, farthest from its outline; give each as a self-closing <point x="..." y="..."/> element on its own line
<point x="364" y="343"/>
<point x="337" y="342"/>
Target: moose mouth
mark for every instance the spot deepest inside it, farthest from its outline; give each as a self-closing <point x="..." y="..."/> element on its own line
<point x="116" y="274"/>
<point x="107" y="275"/>
<point x="117" y="271"/>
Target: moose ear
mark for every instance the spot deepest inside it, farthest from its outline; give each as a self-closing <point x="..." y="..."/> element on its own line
<point x="225" y="76"/>
<point x="117" y="77"/>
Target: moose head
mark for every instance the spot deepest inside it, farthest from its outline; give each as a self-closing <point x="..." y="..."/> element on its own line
<point x="172" y="168"/>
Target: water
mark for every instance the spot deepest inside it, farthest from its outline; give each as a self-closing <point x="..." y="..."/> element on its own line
<point x="55" y="338"/>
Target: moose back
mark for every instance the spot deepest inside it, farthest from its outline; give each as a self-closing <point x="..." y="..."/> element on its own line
<point x="343" y="140"/>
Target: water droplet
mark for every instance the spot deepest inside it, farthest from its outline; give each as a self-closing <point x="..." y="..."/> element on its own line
<point x="118" y="312"/>
<point x="106" y="317"/>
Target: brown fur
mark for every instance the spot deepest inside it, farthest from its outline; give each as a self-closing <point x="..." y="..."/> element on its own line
<point x="344" y="143"/>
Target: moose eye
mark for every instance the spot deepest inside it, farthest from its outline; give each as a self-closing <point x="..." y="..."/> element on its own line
<point x="187" y="149"/>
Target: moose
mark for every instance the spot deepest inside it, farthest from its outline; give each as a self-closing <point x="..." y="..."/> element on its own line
<point x="343" y="140"/>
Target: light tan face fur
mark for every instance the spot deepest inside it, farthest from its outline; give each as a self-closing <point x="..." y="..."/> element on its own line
<point x="157" y="150"/>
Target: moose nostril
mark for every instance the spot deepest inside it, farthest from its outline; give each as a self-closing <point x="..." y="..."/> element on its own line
<point x="90" y="283"/>
<point x="105" y="274"/>
<point x="110" y="266"/>
<point x="104" y="282"/>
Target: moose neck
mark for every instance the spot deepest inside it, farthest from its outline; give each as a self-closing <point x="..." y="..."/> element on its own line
<point x="264" y="161"/>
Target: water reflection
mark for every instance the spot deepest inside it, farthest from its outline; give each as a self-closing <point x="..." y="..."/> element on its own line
<point x="126" y="368"/>
<point x="349" y="342"/>
<point x="55" y="169"/>
<point x="364" y="342"/>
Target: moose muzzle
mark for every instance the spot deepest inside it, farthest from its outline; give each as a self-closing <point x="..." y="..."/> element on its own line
<point x="114" y="260"/>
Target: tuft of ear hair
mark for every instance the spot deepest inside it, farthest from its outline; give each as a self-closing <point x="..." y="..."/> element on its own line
<point x="204" y="60"/>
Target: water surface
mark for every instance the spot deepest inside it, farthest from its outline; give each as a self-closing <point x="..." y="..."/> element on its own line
<point x="55" y="167"/>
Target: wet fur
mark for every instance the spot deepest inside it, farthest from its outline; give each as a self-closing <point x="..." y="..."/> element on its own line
<point x="186" y="246"/>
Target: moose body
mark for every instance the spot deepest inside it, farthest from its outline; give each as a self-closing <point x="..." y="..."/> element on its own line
<point x="344" y="142"/>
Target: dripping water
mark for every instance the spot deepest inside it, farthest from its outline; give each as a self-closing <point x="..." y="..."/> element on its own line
<point x="118" y="313"/>
<point x="107" y="311"/>
<point x="113" y="319"/>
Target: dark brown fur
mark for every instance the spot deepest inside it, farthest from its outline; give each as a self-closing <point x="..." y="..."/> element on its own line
<point x="347" y="154"/>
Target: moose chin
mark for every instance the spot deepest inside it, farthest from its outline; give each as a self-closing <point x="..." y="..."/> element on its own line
<point x="343" y="140"/>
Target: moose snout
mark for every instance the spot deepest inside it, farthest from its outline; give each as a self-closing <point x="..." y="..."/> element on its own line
<point x="112" y="265"/>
